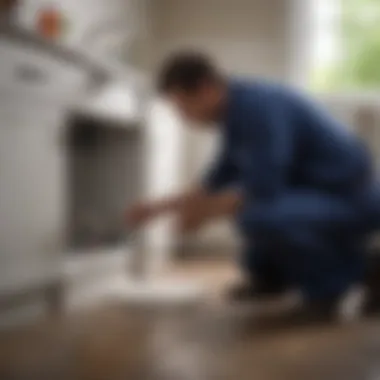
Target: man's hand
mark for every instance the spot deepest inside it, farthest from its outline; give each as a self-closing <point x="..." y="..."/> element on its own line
<point x="193" y="209"/>
<point x="140" y="214"/>
<point x="198" y="210"/>
<point x="193" y="213"/>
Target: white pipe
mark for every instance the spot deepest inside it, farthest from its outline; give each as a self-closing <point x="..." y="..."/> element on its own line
<point x="164" y="150"/>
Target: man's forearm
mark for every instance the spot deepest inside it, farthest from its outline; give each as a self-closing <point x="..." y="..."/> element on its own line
<point x="199" y="206"/>
<point x="207" y="207"/>
<point x="225" y="204"/>
<point x="175" y="202"/>
<point x="198" y="201"/>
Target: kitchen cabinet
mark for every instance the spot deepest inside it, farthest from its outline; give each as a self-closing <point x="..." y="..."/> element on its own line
<point x="37" y="86"/>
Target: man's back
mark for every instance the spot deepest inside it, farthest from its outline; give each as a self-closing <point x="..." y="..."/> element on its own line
<point x="293" y="140"/>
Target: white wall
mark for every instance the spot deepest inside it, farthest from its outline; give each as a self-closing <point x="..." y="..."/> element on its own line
<point x="247" y="36"/>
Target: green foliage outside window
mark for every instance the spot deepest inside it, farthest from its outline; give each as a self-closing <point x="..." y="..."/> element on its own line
<point x="358" y="68"/>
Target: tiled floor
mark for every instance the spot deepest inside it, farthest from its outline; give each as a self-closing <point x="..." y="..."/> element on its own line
<point x="214" y="341"/>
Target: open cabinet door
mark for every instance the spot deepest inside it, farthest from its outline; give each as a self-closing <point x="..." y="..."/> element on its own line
<point x="32" y="204"/>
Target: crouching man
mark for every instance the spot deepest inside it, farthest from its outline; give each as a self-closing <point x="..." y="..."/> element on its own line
<point x="299" y="185"/>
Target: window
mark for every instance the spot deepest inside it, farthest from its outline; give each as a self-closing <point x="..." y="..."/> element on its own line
<point x="347" y="45"/>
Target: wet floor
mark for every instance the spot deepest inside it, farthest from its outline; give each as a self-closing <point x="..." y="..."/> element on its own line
<point x="214" y="341"/>
<point x="218" y="342"/>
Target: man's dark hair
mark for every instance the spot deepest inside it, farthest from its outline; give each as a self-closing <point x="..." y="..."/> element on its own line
<point x="186" y="71"/>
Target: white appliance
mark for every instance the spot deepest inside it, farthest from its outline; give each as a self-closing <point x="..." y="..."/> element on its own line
<point x="38" y="83"/>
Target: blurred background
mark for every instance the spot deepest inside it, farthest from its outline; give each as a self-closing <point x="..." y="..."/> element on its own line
<point x="83" y="135"/>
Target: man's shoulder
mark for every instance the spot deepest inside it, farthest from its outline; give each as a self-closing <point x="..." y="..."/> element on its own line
<point x="252" y="102"/>
<point x="252" y="91"/>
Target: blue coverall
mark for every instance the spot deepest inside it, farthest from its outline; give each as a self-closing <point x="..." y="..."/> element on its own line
<point x="310" y="195"/>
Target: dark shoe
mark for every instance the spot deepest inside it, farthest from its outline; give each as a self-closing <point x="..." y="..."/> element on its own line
<point x="348" y="307"/>
<point x="372" y="283"/>
<point x="358" y="301"/>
